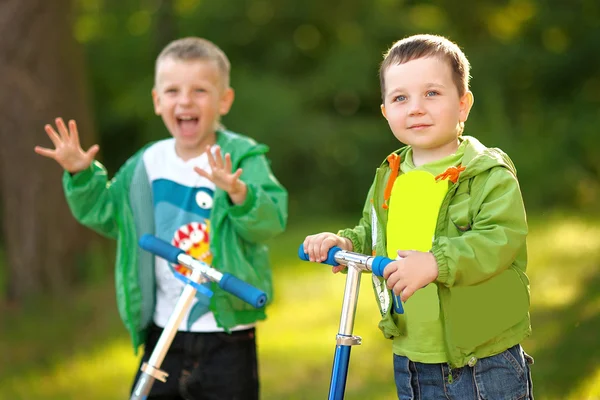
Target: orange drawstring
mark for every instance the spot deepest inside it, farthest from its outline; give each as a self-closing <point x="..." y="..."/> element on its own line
<point x="394" y="161"/>
<point x="451" y="173"/>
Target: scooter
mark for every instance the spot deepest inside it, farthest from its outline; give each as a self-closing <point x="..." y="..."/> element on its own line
<point x="201" y="272"/>
<point x="356" y="263"/>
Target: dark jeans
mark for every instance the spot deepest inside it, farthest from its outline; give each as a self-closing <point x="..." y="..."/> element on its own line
<point x="505" y="376"/>
<point x="206" y="366"/>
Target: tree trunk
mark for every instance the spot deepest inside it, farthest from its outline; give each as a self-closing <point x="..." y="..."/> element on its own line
<point x="42" y="77"/>
<point x="165" y="25"/>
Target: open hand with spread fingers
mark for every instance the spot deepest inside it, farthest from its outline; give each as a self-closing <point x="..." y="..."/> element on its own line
<point x="67" y="152"/>
<point x="221" y="175"/>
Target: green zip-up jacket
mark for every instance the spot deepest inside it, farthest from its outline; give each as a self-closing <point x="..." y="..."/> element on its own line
<point x="480" y="248"/>
<point x="122" y="209"/>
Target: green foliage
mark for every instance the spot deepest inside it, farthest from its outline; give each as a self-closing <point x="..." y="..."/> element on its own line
<point x="305" y="73"/>
<point x="3" y="272"/>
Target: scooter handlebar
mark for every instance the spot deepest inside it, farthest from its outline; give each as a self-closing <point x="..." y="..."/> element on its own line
<point x="330" y="255"/>
<point x="378" y="264"/>
<point x="237" y="287"/>
<point x="160" y="248"/>
<point x="246" y="292"/>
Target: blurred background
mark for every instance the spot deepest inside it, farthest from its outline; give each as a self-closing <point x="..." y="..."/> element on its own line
<point x="305" y="75"/>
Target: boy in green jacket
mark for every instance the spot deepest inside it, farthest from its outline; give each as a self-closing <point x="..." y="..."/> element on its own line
<point x="206" y="190"/>
<point x="449" y="211"/>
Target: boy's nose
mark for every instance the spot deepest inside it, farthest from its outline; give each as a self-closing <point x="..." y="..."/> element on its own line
<point x="415" y="108"/>
<point x="185" y="98"/>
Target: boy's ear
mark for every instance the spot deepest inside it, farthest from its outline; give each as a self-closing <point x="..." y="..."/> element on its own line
<point x="226" y="101"/>
<point x="156" y="102"/>
<point x="383" y="111"/>
<point x="466" y="102"/>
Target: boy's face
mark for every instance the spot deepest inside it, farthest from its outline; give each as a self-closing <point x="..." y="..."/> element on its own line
<point x="423" y="108"/>
<point x="190" y="97"/>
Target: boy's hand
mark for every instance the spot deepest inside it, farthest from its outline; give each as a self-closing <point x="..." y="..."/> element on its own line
<point x="414" y="271"/>
<point x="68" y="152"/>
<point x="317" y="246"/>
<point x="222" y="176"/>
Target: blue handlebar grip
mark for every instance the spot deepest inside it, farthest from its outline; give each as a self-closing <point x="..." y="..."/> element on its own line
<point x="379" y="264"/>
<point x="251" y="295"/>
<point x="159" y="247"/>
<point x="303" y="256"/>
<point x="330" y="255"/>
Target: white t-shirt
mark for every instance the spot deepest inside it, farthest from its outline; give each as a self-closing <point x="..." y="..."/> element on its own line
<point x="182" y="203"/>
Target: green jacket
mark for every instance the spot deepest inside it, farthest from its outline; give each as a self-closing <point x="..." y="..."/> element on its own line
<point x="480" y="248"/>
<point x="122" y="209"/>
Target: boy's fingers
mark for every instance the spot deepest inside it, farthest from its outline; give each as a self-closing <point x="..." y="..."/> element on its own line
<point x="311" y="252"/>
<point x="74" y="134"/>
<point x="399" y="288"/>
<point x="392" y="280"/>
<point x="305" y="243"/>
<point x="227" y="162"/>
<point x="211" y="158"/>
<point x="62" y="129"/>
<point x="91" y="153"/>
<point x="237" y="174"/>
<point x="316" y="248"/>
<point x="390" y="283"/>
<point x="404" y="253"/>
<point x="52" y="135"/>
<point x="389" y="270"/>
<point x="326" y="245"/>
<point x="338" y="268"/>
<point x="310" y="248"/>
<point x="406" y="293"/>
<point x="323" y="248"/>
<point x="219" y="158"/>
<point x="45" y="152"/>
<point x="203" y="173"/>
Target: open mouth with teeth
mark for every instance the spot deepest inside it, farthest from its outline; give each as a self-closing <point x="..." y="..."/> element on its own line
<point x="187" y="124"/>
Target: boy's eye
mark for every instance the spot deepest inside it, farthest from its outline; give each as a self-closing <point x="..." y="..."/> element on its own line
<point x="171" y="90"/>
<point x="200" y="90"/>
<point x="399" y="98"/>
<point x="431" y="93"/>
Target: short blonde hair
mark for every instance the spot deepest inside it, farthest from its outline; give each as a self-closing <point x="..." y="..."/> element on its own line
<point x="195" y="48"/>
<point x="419" y="46"/>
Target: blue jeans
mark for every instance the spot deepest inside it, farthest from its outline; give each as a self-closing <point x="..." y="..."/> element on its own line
<point x="504" y="376"/>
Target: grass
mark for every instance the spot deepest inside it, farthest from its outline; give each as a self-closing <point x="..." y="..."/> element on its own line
<point x="75" y="347"/>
